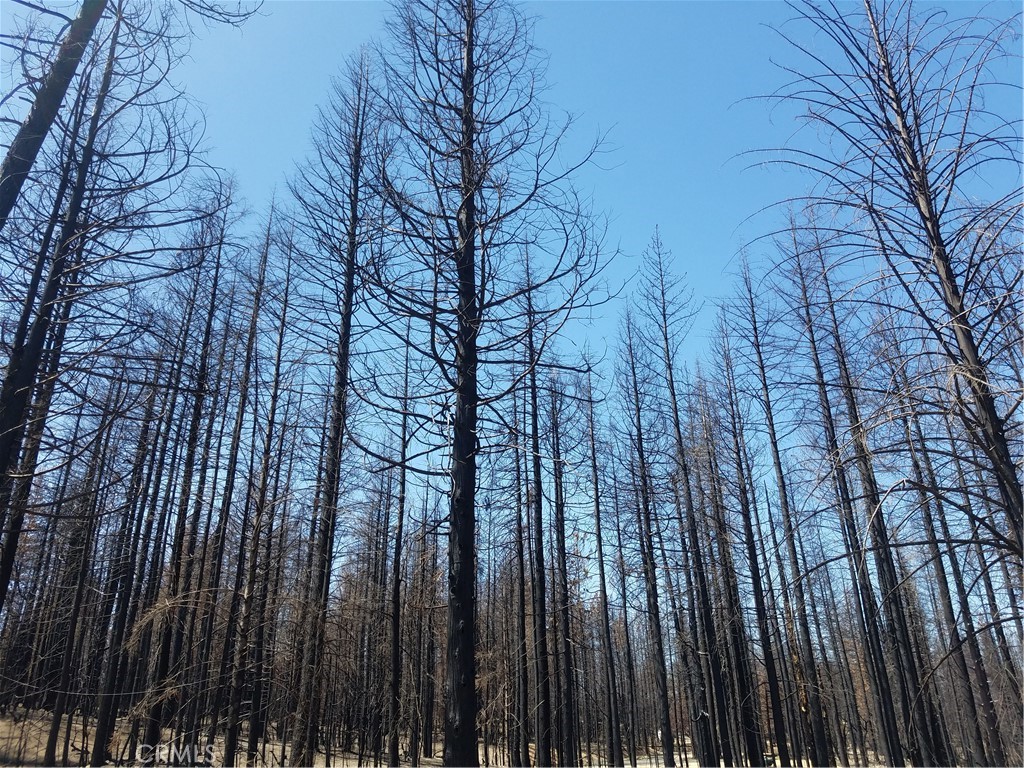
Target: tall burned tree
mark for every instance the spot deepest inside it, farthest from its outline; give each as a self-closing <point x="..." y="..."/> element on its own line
<point x="607" y="646"/>
<point x="747" y="502"/>
<point x="331" y="189"/>
<point x="637" y="403"/>
<point x="470" y="173"/>
<point x="127" y="153"/>
<point x="24" y="148"/>
<point x="535" y="495"/>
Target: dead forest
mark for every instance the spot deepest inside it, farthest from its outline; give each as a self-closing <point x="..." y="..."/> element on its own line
<point x="353" y="479"/>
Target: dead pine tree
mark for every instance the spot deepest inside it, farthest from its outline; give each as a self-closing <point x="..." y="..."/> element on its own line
<point x="567" y="752"/>
<point x="889" y="742"/>
<point x="646" y="522"/>
<point x="745" y="492"/>
<point x="458" y="200"/>
<point x="614" y="737"/>
<point x="331" y="191"/>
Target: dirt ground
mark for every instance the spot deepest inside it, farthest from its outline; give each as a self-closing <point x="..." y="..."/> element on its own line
<point x="23" y="743"/>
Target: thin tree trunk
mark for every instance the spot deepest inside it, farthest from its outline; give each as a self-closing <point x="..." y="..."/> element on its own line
<point x="885" y="713"/>
<point x="645" y="519"/>
<point x="568" y="755"/>
<point x="181" y="554"/>
<point x="614" y="737"/>
<point x="631" y="708"/>
<point x="241" y="660"/>
<point x="540" y="612"/>
<point x="308" y="714"/>
<point x="395" y="705"/>
<point x="809" y="676"/>
<point x="24" y="363"/>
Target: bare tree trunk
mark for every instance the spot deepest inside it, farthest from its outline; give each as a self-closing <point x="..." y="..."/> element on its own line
<point x="750" y="737"/>
<point x="120" y="584"/>
<point x="912" y="693"/>
<point x="811" y="683"/>
<point x="183" y="540"/>
<point x="308" y="714"/>
<point x="241" y="660"/>
<point x="631" y="708"/>
<point x="395" y="705"/>
<point x="645" y="520"/>
<point x="77" y="575"/>
<point x="568" y="755"/>
<point x="23" y="365"/>
<point x="520" y="747"/>
<point x="906" y="142"/>
<point x="540" y="612"/>
<point x="607" y="647"/>
<point x="460" y="736"/>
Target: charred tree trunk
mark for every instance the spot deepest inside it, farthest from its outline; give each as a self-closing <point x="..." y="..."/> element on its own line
<point x="809" y="675"/>
<point x="567" y="753"/>
<point x="540" y="611"/>
<point x="645" y="520"/>
<point x="460" y="736"/>
<point x="395" y="703"/>
<point x="614" y="736"/>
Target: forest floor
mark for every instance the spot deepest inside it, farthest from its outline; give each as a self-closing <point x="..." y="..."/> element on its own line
<point x="23" y="743"/>
<point x="23" y="739"/>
